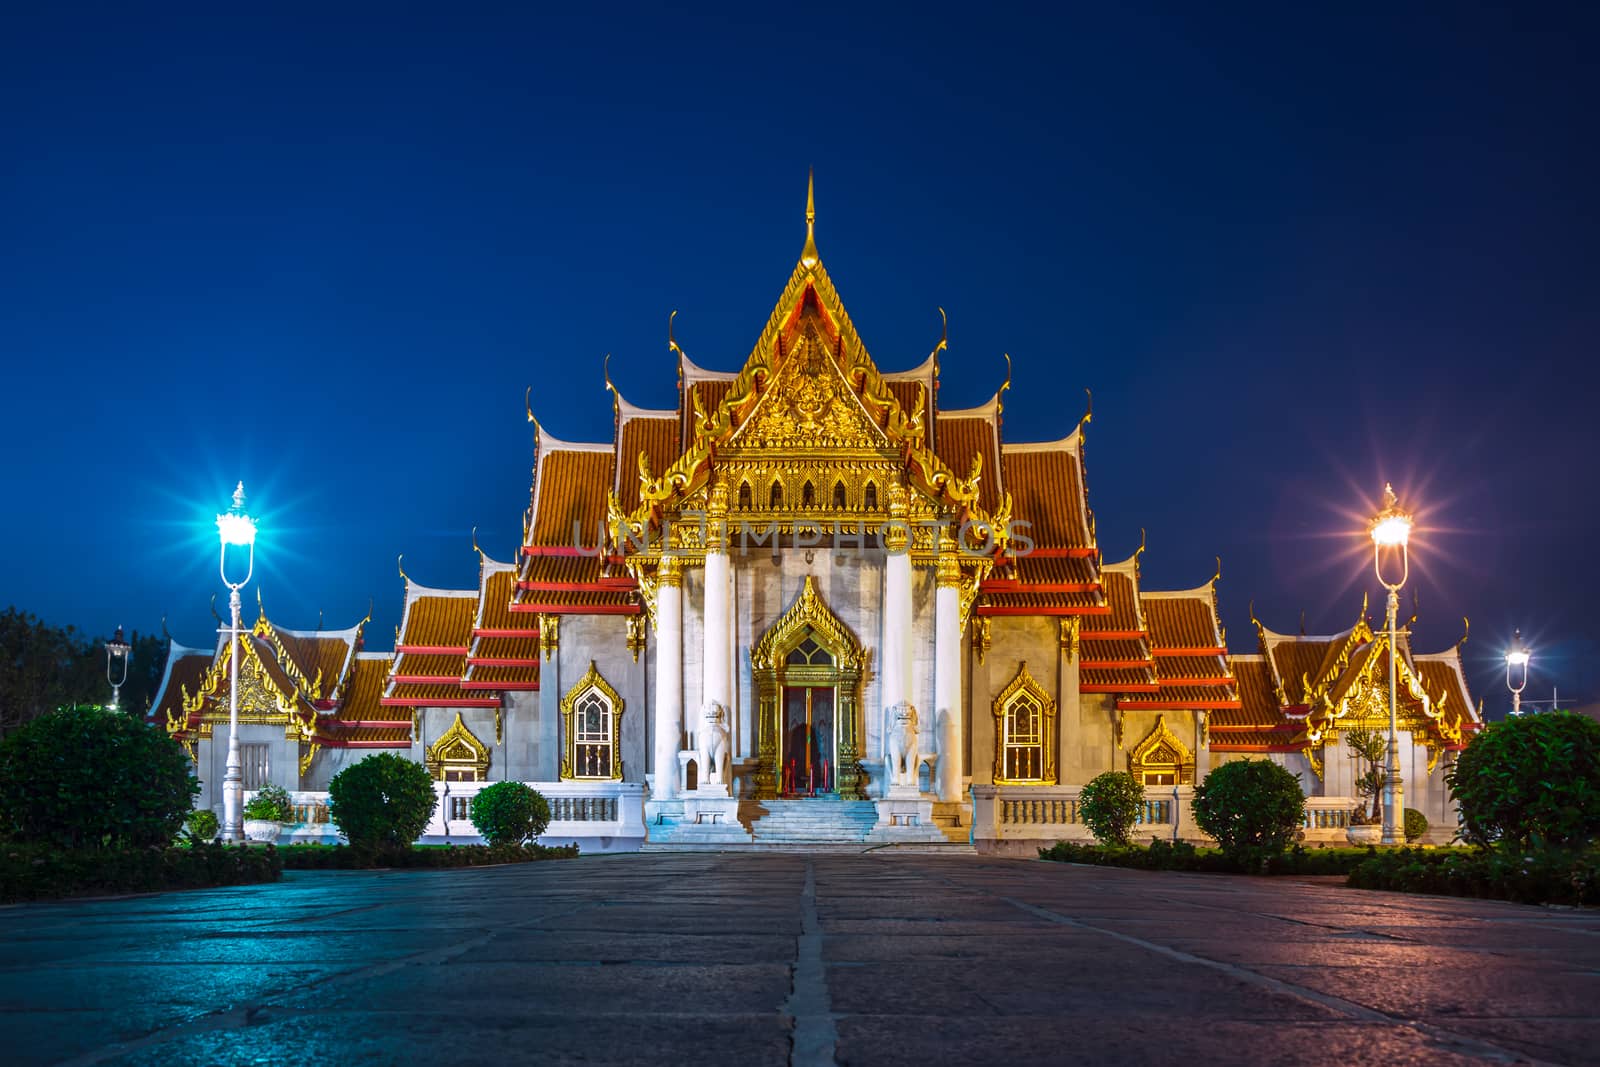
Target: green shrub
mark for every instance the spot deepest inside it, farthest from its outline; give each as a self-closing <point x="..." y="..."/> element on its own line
<point x="1543" y="876"/>
<point x="1416" y="824"/>
<point x="384" y="801"/>
<point x="202" y="825"/>
<point x="1532" y="781"/>
<point x="1109" y="806"/>
<point x="84" y="777"/>
<point x="45" y="872"/>
<point x="509" y="813"/>
<point x="1252" y="807"/>
<point x="1182" y="856"/>
<point x="352" y="858"/>
<point x="272" y="804"/>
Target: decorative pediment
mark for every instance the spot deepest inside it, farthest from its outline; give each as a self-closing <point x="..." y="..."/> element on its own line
<point x="1161" y="752"/>
<point x="809" y="407"/>
<point x="457" y="749"/>
<point x="807" y="616"/>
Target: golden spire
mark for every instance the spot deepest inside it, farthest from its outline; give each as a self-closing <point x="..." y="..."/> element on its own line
<point x="808" y="255"/>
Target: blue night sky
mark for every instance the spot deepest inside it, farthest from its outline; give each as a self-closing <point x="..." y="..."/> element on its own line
<point x="1293" y="256"/>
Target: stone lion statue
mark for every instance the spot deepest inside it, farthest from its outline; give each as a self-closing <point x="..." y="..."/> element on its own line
<point x="900" y="744"/>
<point x="712" y="740"/>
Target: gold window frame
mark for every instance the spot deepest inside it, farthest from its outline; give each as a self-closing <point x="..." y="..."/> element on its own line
<point x="591" y="682"/>
<point x="1024" y="684"/>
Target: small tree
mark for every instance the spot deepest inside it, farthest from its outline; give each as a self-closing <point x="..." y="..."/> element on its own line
<point x="1250" y="807"/>
<point x="384" y="801"/>
<point x="509" y="813"/>
<point x="1369" y="749"/>
<point x="271" y="803"/>
<point x="201" y="825"/>
<point x="85" y="777"/>
<point x="1531" y="781"/>
<point x="1109" y="806"/>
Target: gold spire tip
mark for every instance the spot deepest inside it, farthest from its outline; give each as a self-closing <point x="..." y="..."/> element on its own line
<point x="808" y="255"/>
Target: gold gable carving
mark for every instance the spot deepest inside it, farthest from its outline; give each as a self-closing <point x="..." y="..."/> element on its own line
<point x="457" y="749"/>
<point x="808" y="614"/>
<point x="1161" y="750"/>
<point x="809" y="407"/>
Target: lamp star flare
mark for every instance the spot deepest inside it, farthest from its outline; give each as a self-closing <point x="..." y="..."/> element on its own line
<point x="1391" y="532"/>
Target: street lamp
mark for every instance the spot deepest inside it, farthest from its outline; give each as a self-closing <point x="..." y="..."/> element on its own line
<point x="1391" y="529"/>
<point x="117" y="652"/>
<point x="234" y="528"/>
<point x="1517" y="657"/>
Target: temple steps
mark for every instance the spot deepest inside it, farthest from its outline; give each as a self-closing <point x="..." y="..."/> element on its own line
<point x="820" y="824"/>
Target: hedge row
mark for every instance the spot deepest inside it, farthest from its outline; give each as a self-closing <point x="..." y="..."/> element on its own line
<point x="352" y="858"/>
<point x="41" y="872"/>
<point x="1182" y="856"/>
<point x="1546" y="876"/>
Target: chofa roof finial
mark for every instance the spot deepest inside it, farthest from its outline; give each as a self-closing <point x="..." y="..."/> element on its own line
<point x="808" y="255"/>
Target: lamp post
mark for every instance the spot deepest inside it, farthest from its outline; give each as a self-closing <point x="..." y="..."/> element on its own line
<point x="117" y="651"/>
<point x="234" y="528"/>
<point x="1517" y="657"/>
<point x="1391" y="529"/>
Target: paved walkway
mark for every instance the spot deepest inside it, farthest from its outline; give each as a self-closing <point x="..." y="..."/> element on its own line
<point x="860" y="959"/>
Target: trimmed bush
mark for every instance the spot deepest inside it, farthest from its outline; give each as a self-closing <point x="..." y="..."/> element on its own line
<point x="1545" y="876"/>
<point x="271" y="803"/>
<point x="384" y="801"/>
<point x="1250" y="807"/>
<point x="202" y="826"/>
<point x="1532" y="781"/>
<point x="1109" y="806"/>
<point x="88" y="778"/>
<point x="1182" y="856"/>
<point x="44" y="872"/>
<point x="1416" y="824"/>
<point x="509" y="813"/>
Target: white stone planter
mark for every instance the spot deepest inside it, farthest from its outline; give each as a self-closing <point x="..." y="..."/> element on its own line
<point x="1361" y="836"/>
<point x="262" y="831"/>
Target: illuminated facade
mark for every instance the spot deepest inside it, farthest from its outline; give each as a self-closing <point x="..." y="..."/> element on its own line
<point x="810" y="604"/>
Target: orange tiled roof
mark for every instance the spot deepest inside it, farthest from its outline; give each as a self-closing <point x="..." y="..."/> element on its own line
<point x="1121" y="593"/>
<point x="415" y="665"/>
<point x="186" y="670"/>
<point x="331" y="654"/>
<point x="1122" y="650"/>
<point x="1025" y="603"/>
<point x="502" y="676"/>
<point x="1046" y="486"/>
<point x="1181" y="622"/>
<point x="496" y="648"/>
<point x="1258" y="703"/>
<point x="1117" y="679"/>
<point x="434" y="695"/>
<point x="368" y="678"/>
<point x="569" y="490"/>
<point x="498" y="590"/>
<point x="961" y="435"/>
<point x="438" y="619"/>
<point x="657" y="436"/>
<point x="1191" y="668"/>
<point x="1294" y="658"/>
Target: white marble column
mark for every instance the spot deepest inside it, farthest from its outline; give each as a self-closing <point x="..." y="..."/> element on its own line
<point x="669" y="678"/>
<point x="947" y="677"/>
<point x="718" y="668"/>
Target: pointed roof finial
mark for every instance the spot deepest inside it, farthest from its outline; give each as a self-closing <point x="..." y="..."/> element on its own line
<point x="808" y="255"/>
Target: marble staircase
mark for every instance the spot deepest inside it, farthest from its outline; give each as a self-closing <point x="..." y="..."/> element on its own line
<point x="820" y="824"/>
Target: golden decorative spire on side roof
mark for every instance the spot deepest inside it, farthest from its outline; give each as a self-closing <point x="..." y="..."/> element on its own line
<point x="808" y="255"/>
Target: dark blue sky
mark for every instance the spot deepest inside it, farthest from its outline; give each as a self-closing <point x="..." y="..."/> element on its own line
<point x="1293" y="254"/>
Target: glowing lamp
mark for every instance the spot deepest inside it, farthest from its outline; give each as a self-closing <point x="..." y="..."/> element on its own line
<point x="236" y="528"/>
<point x="1391" y="527"/>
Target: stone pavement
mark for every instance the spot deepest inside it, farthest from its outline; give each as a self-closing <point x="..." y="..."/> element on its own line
<point x="881" y="958"/>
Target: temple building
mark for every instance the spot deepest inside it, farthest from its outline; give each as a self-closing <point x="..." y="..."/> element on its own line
<point x="808" y="604"/>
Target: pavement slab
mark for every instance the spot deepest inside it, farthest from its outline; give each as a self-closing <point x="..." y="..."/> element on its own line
<point x="882" y="958"/>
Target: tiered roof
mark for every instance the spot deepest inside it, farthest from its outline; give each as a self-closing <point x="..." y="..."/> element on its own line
<point x="318" y="684"/>
<point x="1300" y="690"/>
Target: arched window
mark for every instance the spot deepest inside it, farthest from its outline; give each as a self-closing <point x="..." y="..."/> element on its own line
<point x="775" y="499"/>
<point x="591" y="720"/>
<point x="869" y="497"/>
<point x="838" y="495"/>
<point x="808" y="495"/>
<point x="1024" y="734"/>
<point x="744" y="496"/>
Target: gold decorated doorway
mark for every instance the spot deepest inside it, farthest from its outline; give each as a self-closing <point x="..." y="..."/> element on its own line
<point x="807" y="670"/>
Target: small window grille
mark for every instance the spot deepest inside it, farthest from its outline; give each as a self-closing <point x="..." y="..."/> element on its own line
<point x="255" y="765"/>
